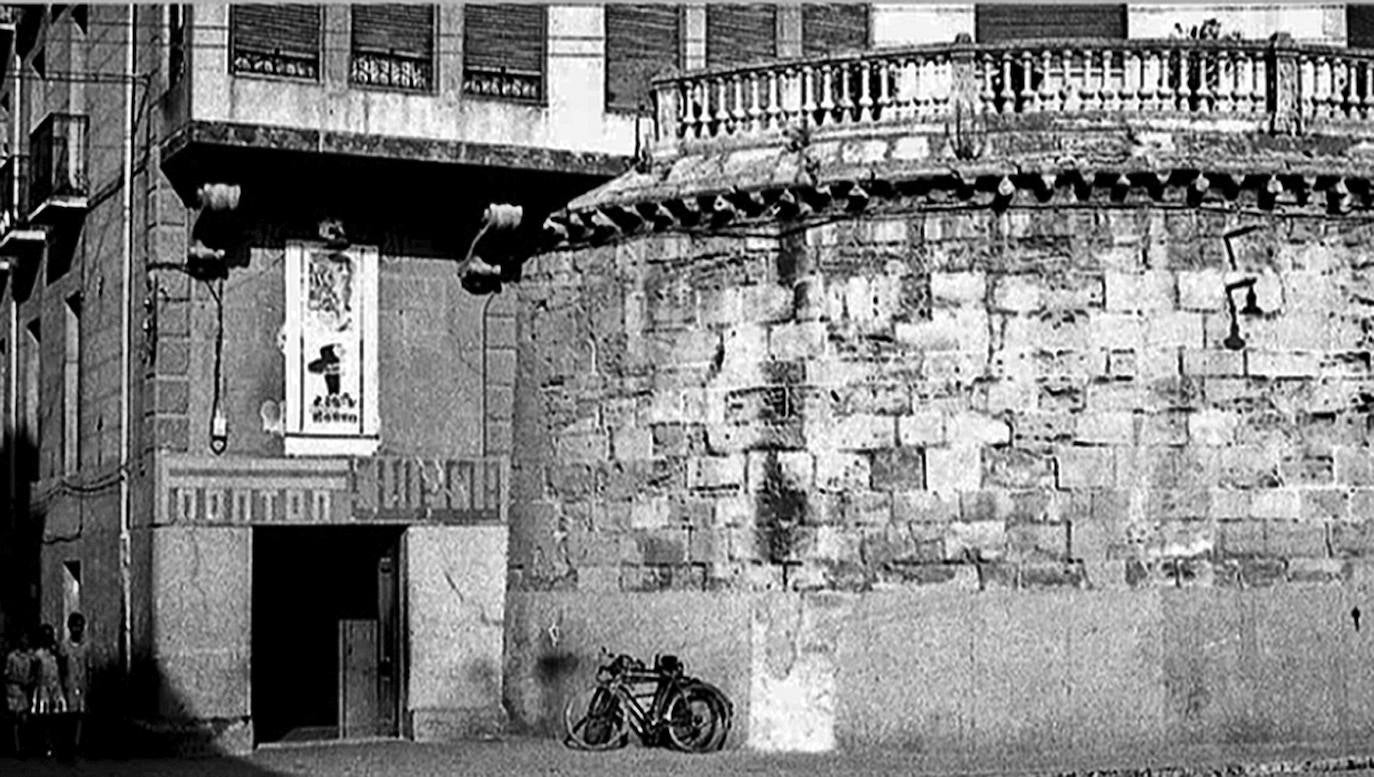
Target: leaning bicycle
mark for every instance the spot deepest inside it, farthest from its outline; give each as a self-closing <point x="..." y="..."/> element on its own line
<point x="660" y="705"/>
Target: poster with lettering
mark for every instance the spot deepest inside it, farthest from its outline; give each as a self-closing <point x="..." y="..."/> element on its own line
<point x="331" y="342"/>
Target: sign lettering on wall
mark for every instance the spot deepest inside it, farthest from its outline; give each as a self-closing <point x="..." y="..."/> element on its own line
<point x="331" y="350"/>
<point x="262" y="491"/>
<point x="437" y="490"/>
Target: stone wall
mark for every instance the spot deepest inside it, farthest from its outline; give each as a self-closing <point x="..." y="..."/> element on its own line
<point x="975" y="419"/>
<point x="1027" y="399"/>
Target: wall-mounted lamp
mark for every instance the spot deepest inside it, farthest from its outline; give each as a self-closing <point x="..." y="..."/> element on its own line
<point x="332" y="232"/>
<point x="475" y="273"/>
<point x="1233" y="340"/>
<point x="1227" y="237"/>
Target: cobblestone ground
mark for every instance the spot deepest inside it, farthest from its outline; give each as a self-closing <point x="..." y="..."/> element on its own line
<point x="519" y="757"/>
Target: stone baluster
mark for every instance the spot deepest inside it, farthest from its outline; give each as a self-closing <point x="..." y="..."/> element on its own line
<point x="962" y="87"/>
<point x="1150" y="75"/>
<point x="882" y="101"/>
<point x="1309" y="100"/>
<point x="865" y="69"/>
<point x="1046" y="95"/>
<point x="755" y="107"/>
<point x="1068" y="90"/>
<point x="1029" y="96"/>
<point x="844" y="103"/>
<point x="1132" y="91"/>
<point x="738" y="113"/>
<point x="1281" y="75"/>
<point x="808" y="93"/>
<point x="1181" y="99"/>
<point x="827" y="93"/>
<point x="1009" y="94"/>
<point x="773" y="114"/>
<point x="1110" y="93"/>
<point x="722" y="112"/>
<point x="987" y="78"/>
<point x="1226" y="82"/>
<point x="669" y="124"/>
<point x="1367" y="88"/>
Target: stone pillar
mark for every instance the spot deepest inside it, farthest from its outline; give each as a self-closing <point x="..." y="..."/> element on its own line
<point x="694" y="37"/>
<point x="1285" y="117"/>
<point x="338" y="44"/>
<point x="456" y="602"/>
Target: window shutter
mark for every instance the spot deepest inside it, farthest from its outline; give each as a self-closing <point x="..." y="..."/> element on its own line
<point x="275" y="39"/>
<point x="1027" y="22"/>
<point x="1359" y="26"/>
<point x="503" y="50"/>
<point x="739" y="34"/>
<point x="394" y="29"/>
<point x="641" y="42"/>
<point x="832" y="28"/>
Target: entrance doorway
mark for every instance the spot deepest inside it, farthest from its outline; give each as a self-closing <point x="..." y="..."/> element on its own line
<point x="326" y="643"/>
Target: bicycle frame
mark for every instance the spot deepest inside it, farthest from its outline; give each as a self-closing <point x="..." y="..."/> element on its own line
<point x="643" y="722"/>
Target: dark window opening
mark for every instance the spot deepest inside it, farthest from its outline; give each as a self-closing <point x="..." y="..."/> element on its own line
<point x="833" y="28"/>
<point x="740" y="34"/>
<point x="81" y="15"/>
<point x="642" y="41"/>
<point x="504" y="50"/>
<point x="40" y="63"/>
<point x="1359" y="26"/>
<point x="176" y="42"/>
<point x="275" y="40"/>
<point x="993" y="23"/>
<point x="393" y="46"/>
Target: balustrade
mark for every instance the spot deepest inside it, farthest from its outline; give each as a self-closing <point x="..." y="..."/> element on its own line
<point x="1275" y="84"/>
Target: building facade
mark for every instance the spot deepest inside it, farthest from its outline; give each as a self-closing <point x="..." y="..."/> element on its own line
<point x="311" y="471"/>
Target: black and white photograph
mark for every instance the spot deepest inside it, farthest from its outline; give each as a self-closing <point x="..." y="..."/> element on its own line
<point x="599" y="388"/>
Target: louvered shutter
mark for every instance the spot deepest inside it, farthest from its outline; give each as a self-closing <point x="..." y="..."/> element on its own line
<point x="394" y="29"/>
<point x="832" y="28"/>
<point x="503" y="50"/>
<point x="738" y="34"/>
<point x="276" y="39"/>
<point x="642" y="41"/>
<point x="1359" y="26"/>
<point x="1026" y="22"/>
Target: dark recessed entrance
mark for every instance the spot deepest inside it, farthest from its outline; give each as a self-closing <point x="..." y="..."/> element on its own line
<point x="326" y="632"/>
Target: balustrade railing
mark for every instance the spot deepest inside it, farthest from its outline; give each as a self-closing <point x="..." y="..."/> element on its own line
<point x="57" y="164"/>
<point x="1275" y="84"/>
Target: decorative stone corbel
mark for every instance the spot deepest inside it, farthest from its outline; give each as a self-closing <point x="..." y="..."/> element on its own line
<point x="1338" y="196"/>
<point x="857" y="198"/>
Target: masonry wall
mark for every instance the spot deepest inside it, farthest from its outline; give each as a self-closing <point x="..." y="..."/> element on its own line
<point x="932" y="429"/>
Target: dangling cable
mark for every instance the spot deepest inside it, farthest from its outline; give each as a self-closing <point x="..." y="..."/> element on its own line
<point x="219" y="437"/>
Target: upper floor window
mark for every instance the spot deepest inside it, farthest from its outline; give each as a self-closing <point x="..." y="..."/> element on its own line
<point x="275" y="40"/>
<point x="737" y="34"/>
<point x="1359" y="26"/>
<point x="176" y="42"/>
<point x="503" y="51"/>
<point x="642" y="41"/>
<point x="393" y="46"/>
<point x="833" y="27"/>
<point x="1030" y="22"/>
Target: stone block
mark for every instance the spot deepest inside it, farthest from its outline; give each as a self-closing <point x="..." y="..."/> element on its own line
<point x="765" y="302"/>
<point x="650" y="513"/>
<point x="1120" y="331"/>
<point x="982" y="541"/>
<point x="1354" y="466"/>
<point x="1213" y="362"/>
<point x="896" y="469"/>
<point x="1283" y="364"/>
<point x="923" y="507"/>
<point x="630" y="443"/>
<point x="1324" y="504"/>
<point x="1052" y="574"/>
<point x="958" y="288"/>
<point x="583" y="447"/>
<point x="971" y="429"/>
<point x="1361" y="505"/>
<point x="744" y="544"/>
<point x="1241" y="538"/>
<point x="1148" y="291"/>
<point x="1037" y="541"/>
<point x="954" y="469"/>
<point x="1212" y="427"/>
<point x="601" y="579"/>
<point x="680" y="347"/>
<point x="1080" y="468"/>
<point x="1203" y="290"/>
<point x="735" y="511"/>
<point x="1352" y="540"/>
<point x="1315" y="570"/>
<point x="859" y="432"/>
<point x="831" y="543"/>
<point x="1019" y="293"/>
<point x="1017" y="468"/>
<point x="1091" y="540"/>
<point x="1175" y="329"/>
<point x="1106" y="428"/>
<point x="1295" y="540"/>
<point x="949" y="329"/>
<point x="1166" y="428"/>
<point x="720" y="307"/>
<point x="708" y="546"/>
<point x="1275" y="504"/>
<point x="716" y="472"/>
<point x="921" y="428"/>
<point x="1016" y="395"/>
<point x="842" y="472"/>
<point x="802" y="340"/>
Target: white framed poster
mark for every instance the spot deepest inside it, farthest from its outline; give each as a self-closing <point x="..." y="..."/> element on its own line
<point x="331" y="350"/>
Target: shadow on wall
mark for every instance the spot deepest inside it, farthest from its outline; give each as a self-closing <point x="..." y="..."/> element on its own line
<point x="112" y="744"/>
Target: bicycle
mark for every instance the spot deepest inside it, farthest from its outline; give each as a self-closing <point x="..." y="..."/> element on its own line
<point x="656" y="704"/>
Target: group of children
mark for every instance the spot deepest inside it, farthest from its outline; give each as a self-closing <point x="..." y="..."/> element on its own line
<point x="45" y="685"/>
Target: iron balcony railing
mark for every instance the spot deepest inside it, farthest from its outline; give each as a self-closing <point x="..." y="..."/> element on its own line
<point x="1275" y="84"/>
<point x="57" y="159"/>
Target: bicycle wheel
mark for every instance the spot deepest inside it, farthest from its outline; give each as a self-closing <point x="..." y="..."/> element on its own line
<point x="698" y="719"/>
<point x="593" y="721"/>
